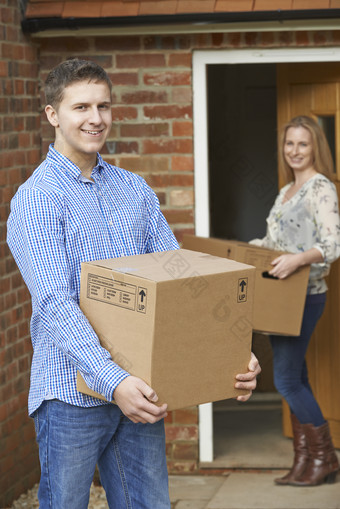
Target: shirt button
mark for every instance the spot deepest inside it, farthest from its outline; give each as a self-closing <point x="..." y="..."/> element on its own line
<point x="110" y="223"/>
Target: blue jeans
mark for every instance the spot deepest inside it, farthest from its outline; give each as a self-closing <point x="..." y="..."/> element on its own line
<point x="290" y="368"/>
<point x="130" y="457"/>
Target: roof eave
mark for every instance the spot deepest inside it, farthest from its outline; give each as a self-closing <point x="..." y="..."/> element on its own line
<point x="37" y="25"/>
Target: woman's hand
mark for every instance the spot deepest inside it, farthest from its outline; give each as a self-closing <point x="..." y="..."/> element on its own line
<point x="284" y="265"/>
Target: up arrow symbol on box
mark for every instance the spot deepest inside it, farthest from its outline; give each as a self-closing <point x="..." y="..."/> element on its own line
<point x="243" y="284"/>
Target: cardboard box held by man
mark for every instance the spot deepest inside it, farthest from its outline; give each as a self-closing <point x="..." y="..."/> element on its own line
<point x="180" y="320"/>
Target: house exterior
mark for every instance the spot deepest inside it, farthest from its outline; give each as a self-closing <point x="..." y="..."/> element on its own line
<point x="156" y="53"/>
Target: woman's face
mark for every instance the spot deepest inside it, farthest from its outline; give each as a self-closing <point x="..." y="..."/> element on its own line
<point x="298" y="149"/>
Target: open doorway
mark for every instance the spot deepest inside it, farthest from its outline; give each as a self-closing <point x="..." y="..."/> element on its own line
<point x="311" y="69"/>
<point x="243" y="183"/>
<point x="242" y="140"/>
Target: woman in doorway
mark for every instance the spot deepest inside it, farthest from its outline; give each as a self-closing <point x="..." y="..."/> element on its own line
<point x="304" y="221"/>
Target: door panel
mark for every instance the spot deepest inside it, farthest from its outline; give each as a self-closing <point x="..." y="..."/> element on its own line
<point x="301" y="98"/>
<point x="314" y="89"/>
<point x="325" y="94"/>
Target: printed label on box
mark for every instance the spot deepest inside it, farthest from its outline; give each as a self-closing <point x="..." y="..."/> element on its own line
<point x="116" y="293"/>
<point x="258" y="258"/>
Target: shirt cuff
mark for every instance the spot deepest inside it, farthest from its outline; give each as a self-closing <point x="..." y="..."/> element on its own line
<point x="256" y="242"/>
<point x="108" y="378"/>
<point x="319" y="248"/>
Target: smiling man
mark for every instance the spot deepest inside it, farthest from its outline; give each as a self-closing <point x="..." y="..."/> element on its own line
<point x="74" y="208"/>
<point x="82" y="120"/>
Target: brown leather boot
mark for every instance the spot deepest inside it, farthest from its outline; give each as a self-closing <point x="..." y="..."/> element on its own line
<point x="323" y="463"/>
<point x="300" y="453"/>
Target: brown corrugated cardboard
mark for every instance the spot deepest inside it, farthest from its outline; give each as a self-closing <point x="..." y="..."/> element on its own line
<point x="278" y="304"/>
<point x="180" y="320"/>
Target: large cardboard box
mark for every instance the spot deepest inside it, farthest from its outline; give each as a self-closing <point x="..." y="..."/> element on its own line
<point x="278" y="304"/>
<point x="180" y="320"/>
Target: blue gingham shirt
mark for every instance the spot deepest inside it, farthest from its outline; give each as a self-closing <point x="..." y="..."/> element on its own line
<point x="59" y="219"/>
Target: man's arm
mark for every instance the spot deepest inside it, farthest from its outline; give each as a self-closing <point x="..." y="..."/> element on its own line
<point x="36" y="239"/>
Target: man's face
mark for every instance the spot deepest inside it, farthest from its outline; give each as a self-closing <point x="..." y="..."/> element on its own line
<point x="82" y="120"/>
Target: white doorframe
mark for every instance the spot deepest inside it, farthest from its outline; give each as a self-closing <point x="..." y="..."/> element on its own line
<point x="200" y="116"/>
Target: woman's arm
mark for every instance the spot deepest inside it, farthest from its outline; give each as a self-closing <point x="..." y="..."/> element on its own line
<point x="327" y="221"/>
<point x="326" y="247"/>
<point x="284" y="265"/>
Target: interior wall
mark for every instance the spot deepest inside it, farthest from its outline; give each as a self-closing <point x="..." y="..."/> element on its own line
<point x="243" y="179"/>
<point x="242" y="148"/>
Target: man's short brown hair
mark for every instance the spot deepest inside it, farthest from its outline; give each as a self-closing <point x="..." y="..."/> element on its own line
<point x="69" y="72"/>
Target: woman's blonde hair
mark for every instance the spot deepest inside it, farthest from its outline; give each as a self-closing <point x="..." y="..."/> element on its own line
<point x="323" y="161"/>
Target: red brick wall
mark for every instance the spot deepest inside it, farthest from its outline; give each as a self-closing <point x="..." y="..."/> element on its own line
<point x="151" y="134"/>
<point x="19" y="153"/>
<point x="182" y="440"/>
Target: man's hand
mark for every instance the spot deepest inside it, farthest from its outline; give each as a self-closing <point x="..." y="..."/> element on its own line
<point x="248" y="380"/>
<point x="136" y="399"/>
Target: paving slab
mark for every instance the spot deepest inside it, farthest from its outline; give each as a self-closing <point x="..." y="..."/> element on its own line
<point x="258" y="491"/>
<point x="196" y="490"/>
<point x="190" y="504"/>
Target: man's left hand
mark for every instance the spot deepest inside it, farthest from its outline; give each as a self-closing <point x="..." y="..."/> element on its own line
<point x="248" y="380"/>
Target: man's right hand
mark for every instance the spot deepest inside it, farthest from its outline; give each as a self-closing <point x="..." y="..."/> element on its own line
<point x="136" y="399"/>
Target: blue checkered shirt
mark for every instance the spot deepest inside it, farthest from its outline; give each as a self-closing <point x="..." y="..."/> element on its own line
<point x="59" y="219"/>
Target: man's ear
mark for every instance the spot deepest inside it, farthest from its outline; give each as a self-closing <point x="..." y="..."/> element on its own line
<point x="52" y="115"/>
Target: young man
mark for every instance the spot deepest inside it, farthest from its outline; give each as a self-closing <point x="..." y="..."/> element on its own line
<point x="76" y="207"/>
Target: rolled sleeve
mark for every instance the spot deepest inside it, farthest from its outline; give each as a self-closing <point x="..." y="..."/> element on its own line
<point x="327" y="219"/>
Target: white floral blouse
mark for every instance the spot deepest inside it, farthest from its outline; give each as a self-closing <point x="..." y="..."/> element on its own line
<point x="310" y="219"/>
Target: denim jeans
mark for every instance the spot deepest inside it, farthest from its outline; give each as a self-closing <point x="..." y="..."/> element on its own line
<point x="130" y="457"/>
<point x="290" y="368"/>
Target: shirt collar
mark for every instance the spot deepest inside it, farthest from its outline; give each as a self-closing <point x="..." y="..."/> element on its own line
<point x="67" y="166"/>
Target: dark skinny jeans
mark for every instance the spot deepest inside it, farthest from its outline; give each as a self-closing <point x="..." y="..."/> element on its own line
<point x="290" y="368"/>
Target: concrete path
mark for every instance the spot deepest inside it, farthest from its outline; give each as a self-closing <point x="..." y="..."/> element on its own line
<point x="236" y="490"/>
<point x="249" y="491"/>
